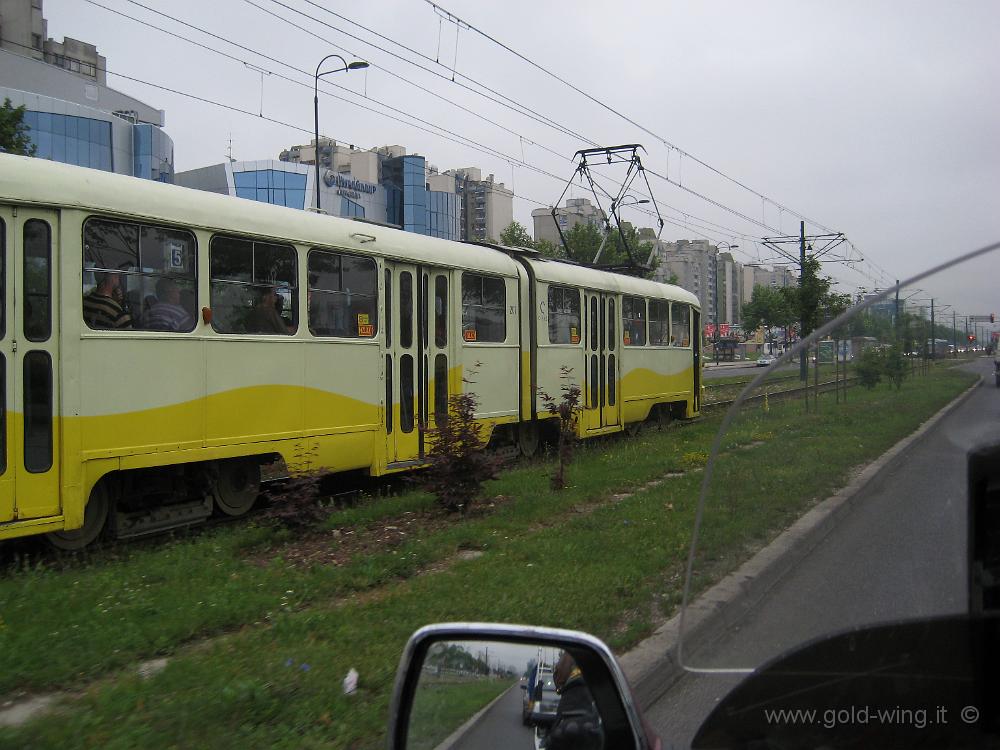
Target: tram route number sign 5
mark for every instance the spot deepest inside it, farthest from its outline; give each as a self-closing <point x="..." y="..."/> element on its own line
<point x="176" y="255"/>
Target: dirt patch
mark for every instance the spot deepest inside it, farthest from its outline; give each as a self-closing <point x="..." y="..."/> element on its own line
<point x="339" y="546"/>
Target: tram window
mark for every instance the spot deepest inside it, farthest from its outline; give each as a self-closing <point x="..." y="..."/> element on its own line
<point x="422" y="312"/>
<point x="137" y="276"/>
<point x="440" y="311"/>
<point x="388" y="308"/>
<point x="594" y="380"/>
<point x="611" y="380"/>
<point x="388" y="393"/>
<point x="634" y="321"/>
<point x="680" y="325"/>
<point x="343" y="295"/>
<point x="37" y="280"/>
<point x="564" y="315"/>
<point x="484" y="308"/>
<point x="659" y="322"/>
<point x="611" y="324"/>
<point x="440" y="387"/>
<point x="593" y="324"/>
<point x="406" y="393"/>
<point x="405" y="309"/>
<point x="253" y="287"/>
<point x="3" y="279"/>
<point x="37" y="411"/>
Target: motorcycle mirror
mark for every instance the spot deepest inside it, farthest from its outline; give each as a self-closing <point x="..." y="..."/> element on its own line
<point x="457" y="686"/>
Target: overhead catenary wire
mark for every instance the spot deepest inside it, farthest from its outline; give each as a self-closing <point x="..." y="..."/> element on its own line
<point x="686" y="221"/>
<point x="686" y="217"/>
<point x="619" y="113"/>
<point x="517" y="106"/>
<point x="681" y="153"/>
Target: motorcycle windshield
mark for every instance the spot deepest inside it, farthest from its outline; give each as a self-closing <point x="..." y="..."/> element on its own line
<point x="834" y="496"/>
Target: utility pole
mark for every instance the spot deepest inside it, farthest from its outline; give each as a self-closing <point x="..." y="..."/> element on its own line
<point x="896" y="319"/>
<point x="933" y="335"/>
<point x="954" y="334"/>
<point x="803" y="362"/>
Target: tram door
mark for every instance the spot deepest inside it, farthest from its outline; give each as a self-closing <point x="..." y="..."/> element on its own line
<point x="29" y="399"/>
<point x="402" y="356"/>
<point x="602" y="352"/>
<point x="418" y="303"/>
<point x="437" y="335"/>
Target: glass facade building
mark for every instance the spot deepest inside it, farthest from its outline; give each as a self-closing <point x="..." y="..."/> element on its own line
<point x="272" y="186"/>
<point x="443" y="215"/>
<point x="70" y="139"/>
<point x="397" y="193"/>
<point x="152" y="153"/>
<point x="74" y="118"/>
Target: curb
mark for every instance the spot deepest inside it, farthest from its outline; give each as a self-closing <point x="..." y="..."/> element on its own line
<point x="652" y="667"/>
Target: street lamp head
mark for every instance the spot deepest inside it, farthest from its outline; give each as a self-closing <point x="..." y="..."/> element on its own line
<point x="357" y="65"/>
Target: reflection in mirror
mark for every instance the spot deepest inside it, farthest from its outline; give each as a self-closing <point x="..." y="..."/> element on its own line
<point x="489" y="694"/>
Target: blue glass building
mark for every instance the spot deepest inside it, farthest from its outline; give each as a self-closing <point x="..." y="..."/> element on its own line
<point x="401" y="196"/>
<point x="75" y="119"/>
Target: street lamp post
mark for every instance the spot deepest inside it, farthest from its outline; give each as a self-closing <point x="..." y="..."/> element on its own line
<point x="354" y="65"/>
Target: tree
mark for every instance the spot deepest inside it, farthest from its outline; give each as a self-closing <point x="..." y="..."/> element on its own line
<point x="768" y="307"/>
<point x="585" y="239"/>
<point x="894" y="366"/>
<point x="810" y="295"/>
<point x="546" y="248"/>
<point x="14" y="131"/>
<point x="869" y="367"/>
<point x="515" y="235"/>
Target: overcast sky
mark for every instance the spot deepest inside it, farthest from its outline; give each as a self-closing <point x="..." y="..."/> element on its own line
<point x="878" y="119"/>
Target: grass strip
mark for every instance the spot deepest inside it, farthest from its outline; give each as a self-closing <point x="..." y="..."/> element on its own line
<point x="138" y="601"/>
<point x="279" y="685"/>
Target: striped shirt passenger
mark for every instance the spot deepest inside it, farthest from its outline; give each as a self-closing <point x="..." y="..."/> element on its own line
<point x="101" y="309"/>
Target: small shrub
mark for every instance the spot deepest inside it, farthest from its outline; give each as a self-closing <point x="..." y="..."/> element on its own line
<point x="297" y="502"/>
<point x="458" y="461"/>
<point x="868" y="368"/>
<point x="567" y="409"/>
<point x="894" y="366"/>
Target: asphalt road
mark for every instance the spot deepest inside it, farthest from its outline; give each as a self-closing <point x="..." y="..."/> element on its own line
<point x="499" y="727"/>
<point x="900" y="553"/>
<point x="711" y="371"/>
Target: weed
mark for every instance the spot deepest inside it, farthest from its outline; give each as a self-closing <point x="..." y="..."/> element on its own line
<point x="694" y="460"/>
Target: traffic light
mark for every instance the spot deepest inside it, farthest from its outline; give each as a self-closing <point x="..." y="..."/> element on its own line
<point x="971" y="337"/>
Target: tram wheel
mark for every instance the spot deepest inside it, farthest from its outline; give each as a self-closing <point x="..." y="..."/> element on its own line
<point x="95" y="517"/>
<point x="237" y="487"/>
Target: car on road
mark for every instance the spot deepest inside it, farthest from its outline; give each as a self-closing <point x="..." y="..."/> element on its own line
<point x="765" y="360"/>
<point x="543" y="712"/>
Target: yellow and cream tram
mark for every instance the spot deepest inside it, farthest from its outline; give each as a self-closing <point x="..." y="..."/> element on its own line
<point x="158" y="345"/>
